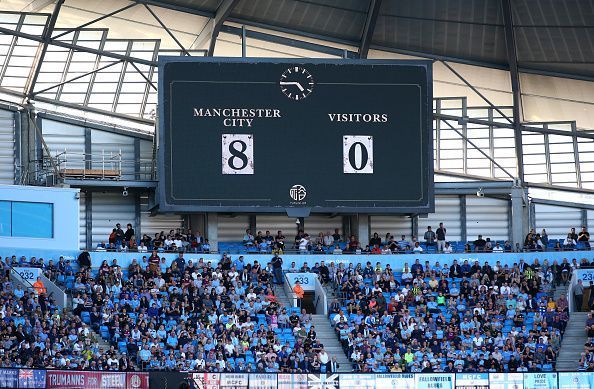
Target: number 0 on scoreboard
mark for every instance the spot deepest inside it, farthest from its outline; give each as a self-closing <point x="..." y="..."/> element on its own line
<point x="238" y="153"/>
<point x="357" y="152"/>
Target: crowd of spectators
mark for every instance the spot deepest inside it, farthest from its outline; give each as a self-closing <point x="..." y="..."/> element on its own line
<point x="35" y="332"/>
<point x="196" y="316"/>
<point x="224" y="316"/>
<point x="432" y="241"/>
<point x="458" y="318"/>
<point x="176" y="240"/>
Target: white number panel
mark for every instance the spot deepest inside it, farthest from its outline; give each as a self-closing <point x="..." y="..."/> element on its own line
<point x="357" y="152"/>
<point x="238" y="153"/>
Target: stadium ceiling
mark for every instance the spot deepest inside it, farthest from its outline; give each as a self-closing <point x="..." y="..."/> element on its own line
<point x="544" y="37"/>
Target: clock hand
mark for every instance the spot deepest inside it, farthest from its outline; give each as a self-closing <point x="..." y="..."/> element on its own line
<point x="298" y="85"/>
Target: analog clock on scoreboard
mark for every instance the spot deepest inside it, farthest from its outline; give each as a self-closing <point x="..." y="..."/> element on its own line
<point x="267" y="135"/>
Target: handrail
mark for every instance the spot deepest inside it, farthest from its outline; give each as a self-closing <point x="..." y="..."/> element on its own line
<point x="24" y="279"/>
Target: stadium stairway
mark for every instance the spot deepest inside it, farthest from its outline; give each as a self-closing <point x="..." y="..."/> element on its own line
<point x="328" y="338"/>
<point x="281" y="296"/>
<point x="573" y="342"/>
<point x="560" y="290"/>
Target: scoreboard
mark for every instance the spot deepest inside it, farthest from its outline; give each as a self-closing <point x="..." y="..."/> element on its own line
<point x="295" y="136"/>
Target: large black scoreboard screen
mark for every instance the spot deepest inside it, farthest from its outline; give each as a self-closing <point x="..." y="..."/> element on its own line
<point x="276" y="135"/>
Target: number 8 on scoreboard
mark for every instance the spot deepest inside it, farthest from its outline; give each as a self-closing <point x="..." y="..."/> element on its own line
<point x="238" y="153"/>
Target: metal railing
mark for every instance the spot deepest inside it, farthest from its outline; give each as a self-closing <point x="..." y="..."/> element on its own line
<point x="105" y="165"/>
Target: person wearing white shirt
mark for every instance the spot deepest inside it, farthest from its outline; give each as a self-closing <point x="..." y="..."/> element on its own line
<point x="339" y="317"/>
<point x="497" y="248"/>
<point x="447" y="249"/>
<point x="328" y="239"/>
<point x="303" y="243"/>
<point x="417" y="248"/>
<point x="324" y="358"/>
<point x="142" y="248"/>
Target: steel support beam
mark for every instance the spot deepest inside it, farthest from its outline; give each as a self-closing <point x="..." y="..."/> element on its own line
<point x="46" y="39"/>
<point x="281" y="40"/>
<point x="37" y="5"/>
<point x="369" y="29"/>
<point x="94" y="21"/>
<point x="167" y="30"/>
<point x="214" y="26"/>
<point x="476" y="91"/>
<point x="37" y="38"/>
<point x="568" y="204"/>
<point x="579" y="134"/>
<point x="478" y="149"/>
<point x="512" y="59"/>
<point x="74" y="78"/>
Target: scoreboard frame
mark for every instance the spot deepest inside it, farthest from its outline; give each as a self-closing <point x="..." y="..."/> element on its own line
<point x="164" y="205"/>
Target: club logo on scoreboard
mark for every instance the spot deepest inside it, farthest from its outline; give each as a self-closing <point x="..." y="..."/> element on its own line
<point x="297" y="192"/>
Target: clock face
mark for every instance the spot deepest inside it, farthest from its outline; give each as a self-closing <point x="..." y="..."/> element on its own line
<point x="296" y="83"/>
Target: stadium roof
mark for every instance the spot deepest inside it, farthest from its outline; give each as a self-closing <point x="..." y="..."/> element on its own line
<point x="546" y="37"/>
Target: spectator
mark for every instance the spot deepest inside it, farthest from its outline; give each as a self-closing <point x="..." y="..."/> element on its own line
<point x="129" y="234"/>
<point x="429" y="237"/>
<point x="479" y="244"/>
<point x="277" y="265"/>
<point x="441" y="237"/>
<point x="328" y="239"/>
<point x="403" y="243"/>
<point x="578" y="294"/>
<point x="299" y="292"/>
<point x="39" y="286"/>
<point x="336" y="236"/>
<point x="248" y="238"/>
<point x="584" y="238"/>
<point x="375" y="240"/>
<point x="119" y="235"/>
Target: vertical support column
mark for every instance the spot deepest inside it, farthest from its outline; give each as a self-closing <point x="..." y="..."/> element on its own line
<point x="137" y="158"/>
<point x="252" y="224"/>
<point x="415" y="226"/>
<point x="89" y="220"/>
<point x="510" y="218"/>
<point x="243" y="42"/>
<point x="363" y="229"/>
<point x="519" y="216"/>
<point x="346" y="226"/>
<point x="197" y="222"/>
<point x="301" y="225"/>
<point x="584" y="218"/>
<point x="463" y="230"/>
<point x="212" y="230"/>
<point x="18" y="159"/>
<point x="137" y="216"/>
<point x="532" y="215"/>
<point x="88" y="143"/>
